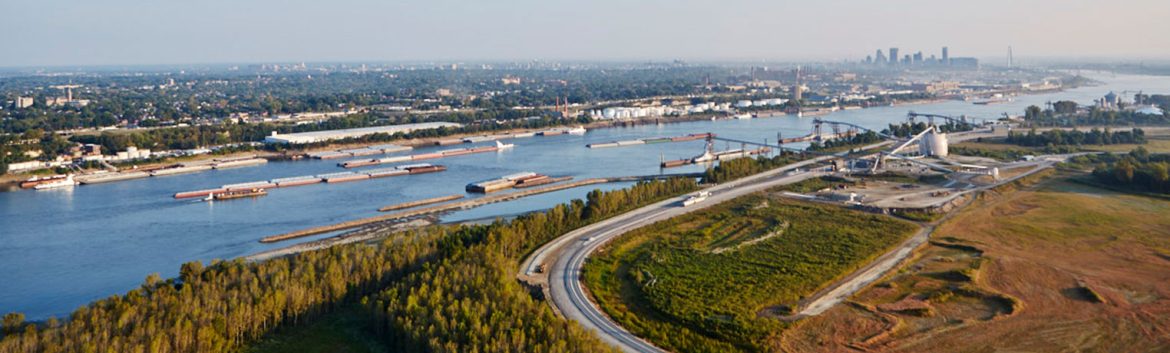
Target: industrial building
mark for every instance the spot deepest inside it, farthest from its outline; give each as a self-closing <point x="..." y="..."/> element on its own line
<point x="23" y="102"/>
<point x="329" y="135"/>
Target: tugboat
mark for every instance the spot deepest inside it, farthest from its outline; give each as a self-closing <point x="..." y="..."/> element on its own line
<point x="236" y="194"/>
<point x="67" y="182"/>
<point x="34" y="181"/>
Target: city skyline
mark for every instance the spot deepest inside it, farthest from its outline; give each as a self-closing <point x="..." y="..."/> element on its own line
<point x="121" y="32"/>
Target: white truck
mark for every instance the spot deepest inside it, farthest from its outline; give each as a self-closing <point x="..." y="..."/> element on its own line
<point x="697" y="198"/>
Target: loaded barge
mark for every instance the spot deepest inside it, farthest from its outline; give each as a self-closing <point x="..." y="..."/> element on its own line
<point x="330" y="178"/>
<point x="358" y="152"/>
<point x="715" y="156"/>
<point x="236" y="194"/>
<point x="425" y="156"/>
<point x="518" y="180"/>
<point x="646" y="141"/>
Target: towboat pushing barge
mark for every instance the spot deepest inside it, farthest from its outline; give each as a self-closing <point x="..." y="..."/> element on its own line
<point x="67" y="182"/>
<point x="236" y="194"/>
<point x="34" y="181"/>
<point x="518" y="180"/>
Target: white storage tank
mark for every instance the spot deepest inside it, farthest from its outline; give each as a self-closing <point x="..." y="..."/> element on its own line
<point x="934" y="144"/>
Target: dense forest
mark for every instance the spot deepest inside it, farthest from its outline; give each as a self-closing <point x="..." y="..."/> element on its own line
<point x="1076" y="137"/>
<point x="1137" y="170"/>
<point x="439" y="289"/>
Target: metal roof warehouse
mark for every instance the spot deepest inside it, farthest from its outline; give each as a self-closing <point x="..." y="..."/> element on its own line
<point x="318" y="136"/>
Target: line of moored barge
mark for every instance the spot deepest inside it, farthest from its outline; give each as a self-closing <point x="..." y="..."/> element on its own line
<point x="331" y="178"/>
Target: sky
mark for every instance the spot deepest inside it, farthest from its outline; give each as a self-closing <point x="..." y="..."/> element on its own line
<point x="43" y="33"/>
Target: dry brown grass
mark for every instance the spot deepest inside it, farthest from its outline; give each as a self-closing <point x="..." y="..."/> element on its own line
<point x="1085" y="265"/>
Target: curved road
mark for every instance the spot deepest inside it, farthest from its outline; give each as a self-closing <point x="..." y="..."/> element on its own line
<point x="566" y="293"/>
<point x="570" y="251"/>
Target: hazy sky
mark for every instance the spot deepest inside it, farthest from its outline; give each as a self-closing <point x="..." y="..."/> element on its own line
<point x="126" y="32"/>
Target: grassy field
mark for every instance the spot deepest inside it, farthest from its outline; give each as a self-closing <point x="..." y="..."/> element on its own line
<point x="1058" y="266"/>
<point x="715" y="280"/>
<point x="343" y="331"/>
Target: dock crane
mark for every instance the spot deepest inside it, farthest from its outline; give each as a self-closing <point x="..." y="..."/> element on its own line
<point x="817" y="122"/>
<point x="960" y="120"/>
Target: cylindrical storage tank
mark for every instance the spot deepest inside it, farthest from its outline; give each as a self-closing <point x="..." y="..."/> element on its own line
<point x="934" y="144"/>
<point x="939" y="146"/>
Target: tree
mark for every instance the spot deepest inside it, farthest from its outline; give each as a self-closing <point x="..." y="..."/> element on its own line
<point x="12" y="323"/>
<point x="1032" y="114"/>
<point x="1065" y="107"/>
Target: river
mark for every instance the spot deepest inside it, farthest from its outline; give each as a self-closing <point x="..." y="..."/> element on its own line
<point x="61" y="249"/>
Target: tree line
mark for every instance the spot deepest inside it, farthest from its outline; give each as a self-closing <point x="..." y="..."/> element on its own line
<point x="908" y="129"/>
<point x="471" y="301"/>
<point x="737" y="168"/>
<point x="1067" y="114"/>
<point x="443" y="288"/>
<point x="1138" y="170"/>
<point x="1076" y="137"/>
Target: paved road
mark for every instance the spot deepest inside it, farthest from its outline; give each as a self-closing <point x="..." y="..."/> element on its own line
<point x="571" y="250"/>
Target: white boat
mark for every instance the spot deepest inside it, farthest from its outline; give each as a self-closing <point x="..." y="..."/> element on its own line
<point x="743" y="116"/>
<point x="503" y="146"/>
<point x="579" y="130"/>
<point x="68" y="182"/>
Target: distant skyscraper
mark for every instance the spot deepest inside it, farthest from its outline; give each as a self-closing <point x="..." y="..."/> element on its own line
<point x="917" y="58"/>
<point x="893" y="55"/>
<point x="946" y="56"/>
<point x="797" y="90"/>
<point x="880" y="58"/>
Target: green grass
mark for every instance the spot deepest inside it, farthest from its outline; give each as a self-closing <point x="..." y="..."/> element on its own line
<point x="343" y="331"/>
<point x="661" y="283"/>
<point x="812" y="185"/>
